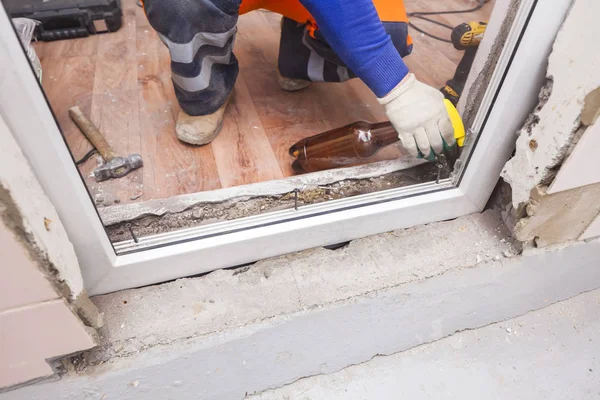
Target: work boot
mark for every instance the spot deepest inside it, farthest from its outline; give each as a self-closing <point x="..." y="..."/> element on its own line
<point x="202" y="129"/>
<point x="291" y="84"/>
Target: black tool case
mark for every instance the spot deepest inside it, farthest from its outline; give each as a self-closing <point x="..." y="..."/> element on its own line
<point x="67" y="19"/>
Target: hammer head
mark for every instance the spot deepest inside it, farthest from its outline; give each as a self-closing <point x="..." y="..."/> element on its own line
<point x="118" y="167"/>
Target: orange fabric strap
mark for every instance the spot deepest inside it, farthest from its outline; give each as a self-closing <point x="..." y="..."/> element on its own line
<point x="388" y="10"/>
<point x="288" y="8"/>
<point x="391" y="10"/>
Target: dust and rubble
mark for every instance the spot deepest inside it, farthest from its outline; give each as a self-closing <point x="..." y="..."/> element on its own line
<point x="152" y="201"/>
<point x="558" y="217"/>
<point x="205" y="213"/>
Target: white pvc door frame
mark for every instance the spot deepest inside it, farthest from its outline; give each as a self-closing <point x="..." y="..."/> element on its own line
<point x="511" y="95"/>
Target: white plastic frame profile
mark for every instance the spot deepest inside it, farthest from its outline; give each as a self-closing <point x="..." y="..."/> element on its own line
<point x="509" y="98"/>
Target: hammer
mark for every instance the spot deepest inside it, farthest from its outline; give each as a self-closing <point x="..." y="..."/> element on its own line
<point x="114" y="166"/>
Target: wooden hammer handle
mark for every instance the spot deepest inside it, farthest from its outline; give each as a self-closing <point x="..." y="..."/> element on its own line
<point x="92" y="133"/>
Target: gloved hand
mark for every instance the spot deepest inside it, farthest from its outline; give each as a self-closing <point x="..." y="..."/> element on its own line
<point x="419" y="115"/>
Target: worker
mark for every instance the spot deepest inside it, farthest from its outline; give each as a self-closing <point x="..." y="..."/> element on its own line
<point x="321" y="41"/>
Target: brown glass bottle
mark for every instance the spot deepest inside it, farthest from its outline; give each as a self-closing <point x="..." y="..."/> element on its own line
<point x="343" y="146"/>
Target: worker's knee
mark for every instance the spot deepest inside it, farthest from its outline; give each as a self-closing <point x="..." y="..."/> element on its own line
<point x="180" y="20"/>
<point x="398" y="31"/>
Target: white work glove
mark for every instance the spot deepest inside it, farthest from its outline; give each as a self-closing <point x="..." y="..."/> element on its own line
<point x="419" y="115"/>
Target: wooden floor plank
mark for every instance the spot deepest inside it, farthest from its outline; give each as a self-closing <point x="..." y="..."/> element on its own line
<point x="287" y="136"/>
<point x="149" y="92"/>
<point x="114" y="106"/>
<point x="242" y="150"/>
<point x="60" y="49"/>
<point x="68" y="82"/>
<point x="257" y="47"/>
<point x="170" y="165"/>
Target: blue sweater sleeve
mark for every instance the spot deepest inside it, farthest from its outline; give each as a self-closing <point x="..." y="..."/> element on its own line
<point x="354" y="31"/>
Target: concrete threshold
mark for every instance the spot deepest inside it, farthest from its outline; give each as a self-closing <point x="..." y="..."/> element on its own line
<point x="546" y="354"/>
<point x="232" y="333"/>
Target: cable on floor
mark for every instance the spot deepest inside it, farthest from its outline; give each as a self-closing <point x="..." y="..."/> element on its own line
<point x="86" y="157"/>
<point x="424" y="16"/>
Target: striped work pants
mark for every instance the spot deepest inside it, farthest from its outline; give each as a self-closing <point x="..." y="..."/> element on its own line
<point x="200" y="36"/>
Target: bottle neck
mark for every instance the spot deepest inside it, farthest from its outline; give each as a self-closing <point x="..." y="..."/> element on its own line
<point x="384" y="134"/>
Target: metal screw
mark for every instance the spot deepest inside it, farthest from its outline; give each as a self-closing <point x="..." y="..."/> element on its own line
<point x="128" y="226"/>
<point x="296" y="191"/>
<point x="439" y="172"/>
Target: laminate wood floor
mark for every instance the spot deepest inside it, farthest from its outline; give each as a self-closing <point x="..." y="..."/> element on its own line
<point x="122" y="81"/>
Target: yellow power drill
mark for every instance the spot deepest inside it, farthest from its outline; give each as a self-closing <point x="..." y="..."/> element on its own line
<point x="465" y="37"/>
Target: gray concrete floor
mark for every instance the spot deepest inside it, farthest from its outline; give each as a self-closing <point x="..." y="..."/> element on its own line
<point x="551" y="353"/>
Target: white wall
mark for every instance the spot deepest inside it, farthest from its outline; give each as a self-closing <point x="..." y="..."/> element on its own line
<point x="582" y="166"/>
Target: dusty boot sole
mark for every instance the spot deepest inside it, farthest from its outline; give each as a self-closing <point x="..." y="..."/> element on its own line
<point x="190" y="139"/>
<point x="290" y="84"/>
<point x="200" y="130"/>
<point x="293" y="86"/>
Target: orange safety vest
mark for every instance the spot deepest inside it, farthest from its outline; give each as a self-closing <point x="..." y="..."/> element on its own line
<point x="388" y="10"/>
